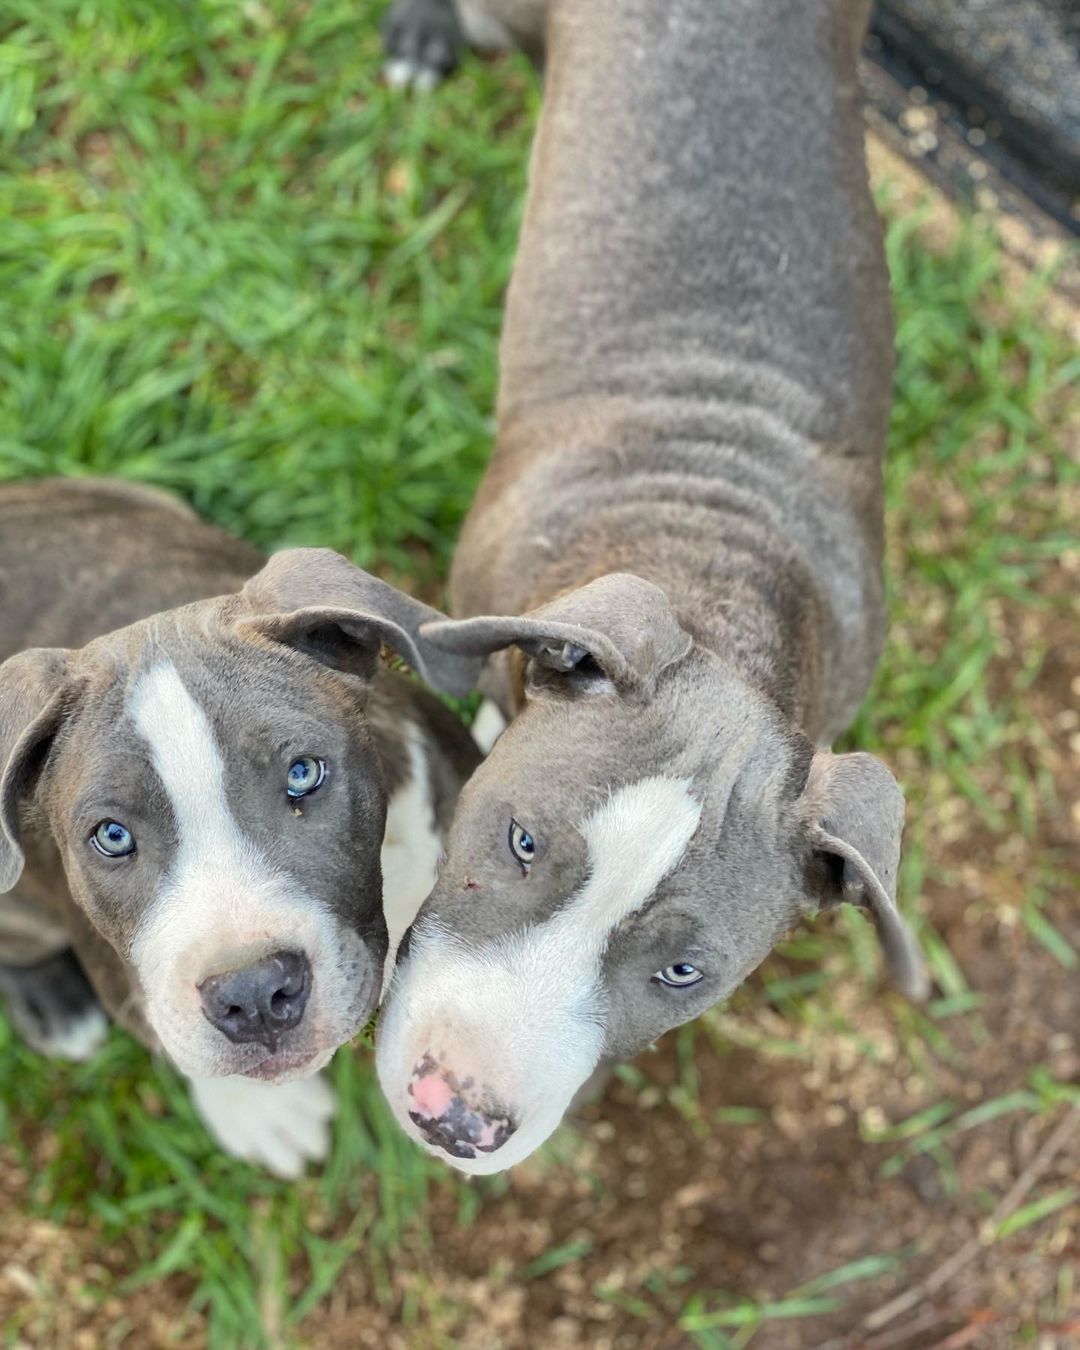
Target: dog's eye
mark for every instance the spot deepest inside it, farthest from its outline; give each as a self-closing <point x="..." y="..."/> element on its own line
<point x="679" y="976"/>
<point x="522" y="845"/>
<point x="304" y="776"/>
<point x="113" y="840"/>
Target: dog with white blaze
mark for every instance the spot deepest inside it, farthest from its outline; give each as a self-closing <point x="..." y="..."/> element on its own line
<point x="673" y="566"/>
<point x="218" y="809"/>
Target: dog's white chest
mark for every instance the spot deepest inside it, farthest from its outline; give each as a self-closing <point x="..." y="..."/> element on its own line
<point x="411" y="847"/>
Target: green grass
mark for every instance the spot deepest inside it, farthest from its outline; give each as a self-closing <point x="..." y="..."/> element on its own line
<point x="233" y="264"/>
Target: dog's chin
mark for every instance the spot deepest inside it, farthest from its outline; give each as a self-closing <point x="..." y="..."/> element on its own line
<point x="285" y="1068"/>
<point x="273" y="1068"/>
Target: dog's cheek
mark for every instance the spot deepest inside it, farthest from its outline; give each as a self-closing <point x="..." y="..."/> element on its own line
<point x="113" y="905"/>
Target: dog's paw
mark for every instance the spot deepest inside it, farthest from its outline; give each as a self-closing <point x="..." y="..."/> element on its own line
<point x="279" y="1126"/>
<point x="54" y="1009"/>
<point x="423" y="40"/>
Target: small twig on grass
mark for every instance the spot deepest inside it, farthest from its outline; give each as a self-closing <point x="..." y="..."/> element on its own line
<point x="963" y="1256"/>
<point x="1054" y="1142"/>
<point x="930" y="1319"/>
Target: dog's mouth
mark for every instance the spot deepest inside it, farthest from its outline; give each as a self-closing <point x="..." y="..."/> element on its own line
<point x="283" y="1068"/>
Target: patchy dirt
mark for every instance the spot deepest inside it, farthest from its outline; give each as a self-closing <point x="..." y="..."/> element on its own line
<point x="58" y="1284"/>
<point x="1023" y="247"/>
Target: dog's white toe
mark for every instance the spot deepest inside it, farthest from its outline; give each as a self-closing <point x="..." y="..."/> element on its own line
<point x="281" y="1127"/>
<point x="399" y="73"/>
<point x="78" y="1039"/>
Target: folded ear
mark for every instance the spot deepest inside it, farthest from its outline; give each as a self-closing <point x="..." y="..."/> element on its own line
<point x="32" y="706"/>
<point x="853" y="810"/>
<point x="618" y="632"/>
<point x="318" y="601"/>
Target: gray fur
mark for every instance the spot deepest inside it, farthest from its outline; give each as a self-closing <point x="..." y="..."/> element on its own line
<point x="283" y="664"/>
<point x="695" y="386"/>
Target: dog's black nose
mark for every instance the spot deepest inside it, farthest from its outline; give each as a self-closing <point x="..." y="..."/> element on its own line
<point x="261" y="1002"/>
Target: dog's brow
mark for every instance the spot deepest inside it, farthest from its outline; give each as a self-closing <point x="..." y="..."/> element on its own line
<point x="96" y="804"/>
<point x="635" y="839"/>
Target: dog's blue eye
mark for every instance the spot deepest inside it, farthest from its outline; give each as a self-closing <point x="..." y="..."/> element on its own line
<point x="522" y="845"/>
<point x="113" y="839"/>
<point x="305" y="775"/>
<point x="679" y="976"/>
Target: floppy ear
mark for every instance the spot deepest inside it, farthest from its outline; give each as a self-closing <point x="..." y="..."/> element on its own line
<point x="854" y="813"/>
<point x="318" y="601"/>
<point x="32" y="686"/>
<point x="617" y="632"/>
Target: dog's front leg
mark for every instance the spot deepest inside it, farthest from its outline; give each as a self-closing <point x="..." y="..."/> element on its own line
<point x="53" y="1008"/>
<point x="280" y="1126"/>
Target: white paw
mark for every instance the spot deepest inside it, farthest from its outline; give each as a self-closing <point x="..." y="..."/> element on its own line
<point x="488" y="725"/>
<point x="78" y="1039"/>
<point x="398" y="73"/>
<point x="401" y="73"/>
<point x="279" y="1126"/>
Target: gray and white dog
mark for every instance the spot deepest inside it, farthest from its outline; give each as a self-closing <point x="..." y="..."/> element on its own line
<point x="195" y="793"/>
<point x="675" y="560"/>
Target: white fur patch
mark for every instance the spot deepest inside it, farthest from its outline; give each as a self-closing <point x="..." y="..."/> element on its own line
<point x="523" y="1016"/>
<point x="403" y="74"/>
<point x="488" y="725"/>
<point x="279" y="1127"/>
<point x="188" y="762"/>
<point x="634" y="840"/>
<point x="222" y="905"/>
<point x="411" y="846"/>
<point x="81" y="1038"/>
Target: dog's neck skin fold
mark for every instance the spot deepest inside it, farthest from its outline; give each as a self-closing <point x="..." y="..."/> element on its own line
<point x="696" y="359"/>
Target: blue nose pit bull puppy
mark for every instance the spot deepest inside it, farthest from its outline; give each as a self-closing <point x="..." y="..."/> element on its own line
<point x="674" y="564"/>
<point x="205" y="803"/>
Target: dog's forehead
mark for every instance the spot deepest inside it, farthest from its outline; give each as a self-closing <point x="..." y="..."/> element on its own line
<point x="197" y="624"/>
<point x="255" y="697"/>
<point x="227" y="668"/>
<point x="560" y="758"/>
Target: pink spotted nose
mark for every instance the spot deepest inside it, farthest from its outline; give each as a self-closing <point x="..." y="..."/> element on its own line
<point x="454" y="1114"/>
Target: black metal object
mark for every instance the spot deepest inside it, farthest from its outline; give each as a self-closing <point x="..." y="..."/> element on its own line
<point x="1002" y="77"/>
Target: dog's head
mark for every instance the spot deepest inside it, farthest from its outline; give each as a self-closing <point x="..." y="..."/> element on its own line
<point x="212" y="782"/>
<point x="636" y="842"/>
